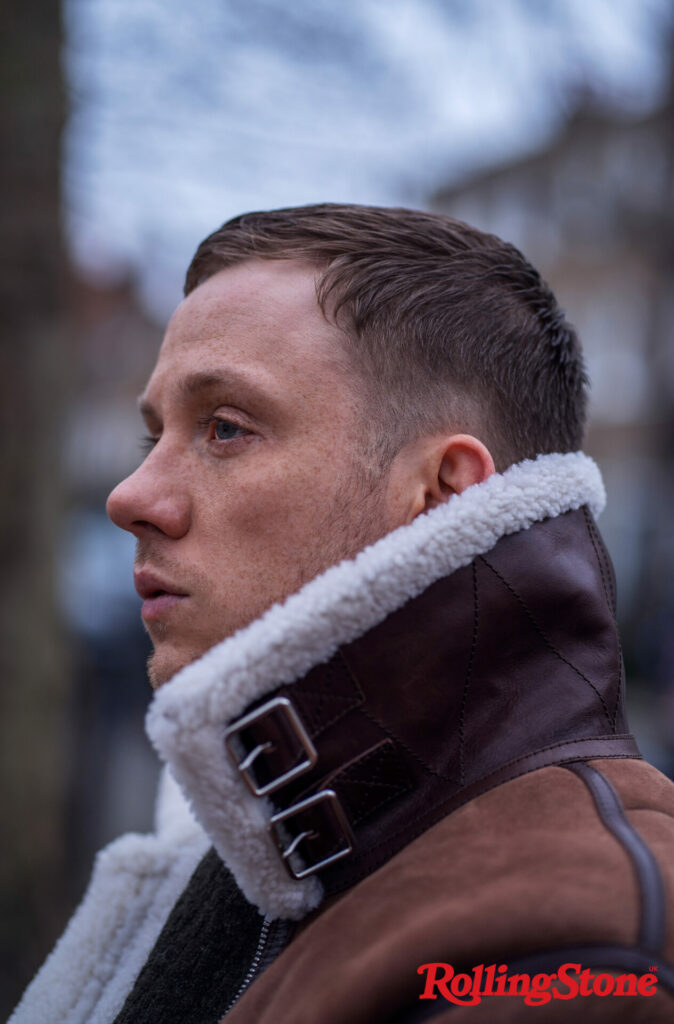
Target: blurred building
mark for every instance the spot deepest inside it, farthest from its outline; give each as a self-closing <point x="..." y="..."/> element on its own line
<point x="594" y="211"/>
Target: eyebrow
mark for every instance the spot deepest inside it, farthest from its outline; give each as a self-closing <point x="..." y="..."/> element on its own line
<point x="203" y="381"/>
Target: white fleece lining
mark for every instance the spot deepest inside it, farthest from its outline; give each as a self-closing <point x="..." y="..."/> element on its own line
<point x="188" y="715"/>
<point x="135" y="883"/>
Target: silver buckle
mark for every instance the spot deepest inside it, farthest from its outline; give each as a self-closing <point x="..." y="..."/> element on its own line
<point x="287" y="843"/>
<point x="245" y="756"/>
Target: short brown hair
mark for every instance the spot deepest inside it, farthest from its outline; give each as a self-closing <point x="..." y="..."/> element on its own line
<point x="452" y="327"/>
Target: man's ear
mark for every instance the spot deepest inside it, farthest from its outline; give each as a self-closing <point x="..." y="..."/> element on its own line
<point x="459" y="462"/>
<point x="429" y="470"/>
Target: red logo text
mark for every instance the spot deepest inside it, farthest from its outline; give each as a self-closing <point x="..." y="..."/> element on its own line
<point x="569" y="982"/>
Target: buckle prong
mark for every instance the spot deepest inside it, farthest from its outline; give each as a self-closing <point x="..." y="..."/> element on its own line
<point x="289" y="850"/>
<point x="326" y="801"/>
<point x="249" y="758"/>
<point x="287" y="727"/>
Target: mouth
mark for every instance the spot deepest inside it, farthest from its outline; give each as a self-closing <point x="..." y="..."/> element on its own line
<point x="159" y="595"/>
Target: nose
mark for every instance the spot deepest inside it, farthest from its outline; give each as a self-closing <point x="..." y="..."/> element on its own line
<point x="151" y="500"/>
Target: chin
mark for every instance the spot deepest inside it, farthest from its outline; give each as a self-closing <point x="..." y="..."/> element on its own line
<point x="163" y="664"/>
<point x="170" y="655"/>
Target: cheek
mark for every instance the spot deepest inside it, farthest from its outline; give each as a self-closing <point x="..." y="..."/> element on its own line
<point x="264" y="540"/>
<point x="276" y="506"/>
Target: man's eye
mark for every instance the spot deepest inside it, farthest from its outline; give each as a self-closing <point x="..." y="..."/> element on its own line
<point x="225" y="430"/>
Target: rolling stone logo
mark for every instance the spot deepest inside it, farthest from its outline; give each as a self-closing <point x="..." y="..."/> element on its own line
<point x="571" y="981"/>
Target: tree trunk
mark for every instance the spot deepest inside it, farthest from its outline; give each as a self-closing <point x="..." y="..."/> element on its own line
<point x="34" y="372"/>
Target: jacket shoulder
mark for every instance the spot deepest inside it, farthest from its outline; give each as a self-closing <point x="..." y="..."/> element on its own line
<point x="525" y="867"/>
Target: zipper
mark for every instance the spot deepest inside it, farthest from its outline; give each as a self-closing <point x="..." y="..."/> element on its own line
<point x="255" y="963"/>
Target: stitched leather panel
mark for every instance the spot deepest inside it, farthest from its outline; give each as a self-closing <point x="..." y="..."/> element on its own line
<point x="510" y="664"/>
<point x="350" y="871"/>
<point x="368" y="784"/>
<point x="328" y="693"/>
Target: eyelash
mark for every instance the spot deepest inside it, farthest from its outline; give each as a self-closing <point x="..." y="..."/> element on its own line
<point x="148" y="442"/>
<point x="206" y="422"/>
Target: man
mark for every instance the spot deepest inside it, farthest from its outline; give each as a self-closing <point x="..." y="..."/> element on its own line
<point x="389" y="681"/>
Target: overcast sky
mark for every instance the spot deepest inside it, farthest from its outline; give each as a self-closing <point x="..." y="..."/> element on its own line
<point x="184" y="114"/>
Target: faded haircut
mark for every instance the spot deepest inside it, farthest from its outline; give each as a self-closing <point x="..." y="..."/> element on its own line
<point x="449" y="327"/>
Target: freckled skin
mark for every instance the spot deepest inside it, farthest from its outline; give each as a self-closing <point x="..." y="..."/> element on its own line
<point x="241" y="523"/>
<point x="239" y="516"/>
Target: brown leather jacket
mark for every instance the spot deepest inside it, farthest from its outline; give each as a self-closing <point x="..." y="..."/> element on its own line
<point x="498" y="810"/>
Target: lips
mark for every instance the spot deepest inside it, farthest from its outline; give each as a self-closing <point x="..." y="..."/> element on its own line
<point x="159" y="594"/>
<point x="150" y="584"/>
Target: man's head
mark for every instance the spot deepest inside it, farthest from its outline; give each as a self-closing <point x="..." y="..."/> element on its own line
<point x="332" y="373"/>
<point x="446" y="325"/>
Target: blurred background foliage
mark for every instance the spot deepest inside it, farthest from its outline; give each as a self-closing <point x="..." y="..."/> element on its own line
<point x="132" y="128"/>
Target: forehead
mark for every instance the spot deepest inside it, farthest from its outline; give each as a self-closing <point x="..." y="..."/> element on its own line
<point x="258" y="315"/>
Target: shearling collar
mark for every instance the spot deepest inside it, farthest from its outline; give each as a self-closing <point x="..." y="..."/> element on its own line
<point x="189" y="715"/>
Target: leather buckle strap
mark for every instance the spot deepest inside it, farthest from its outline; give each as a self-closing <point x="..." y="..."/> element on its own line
<point x="270" y="746"/>
<point x="307" y="833"/>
